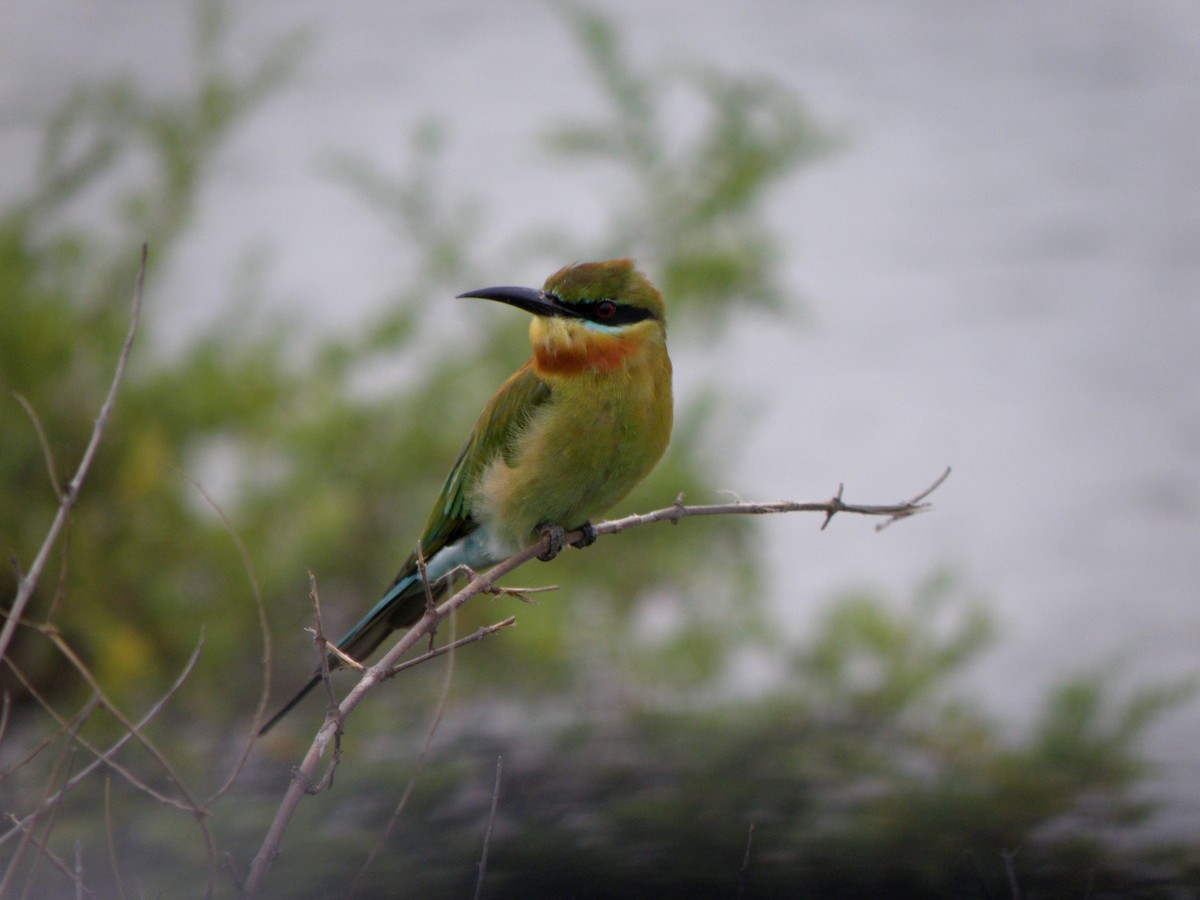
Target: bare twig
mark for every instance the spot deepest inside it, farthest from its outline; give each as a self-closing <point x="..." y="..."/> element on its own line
<point x="487" y="837"/>
<point x="264" y="630"/>
<point x="132" y="730"/>
<point x="430" y="603"/>
<point x="916" y="503"/>
<point x="521" y="593"/>
<point x="187" y="801"/>
<point x="5" y="709"/>
<point x="80" y="889"/>
<point x="346" y="659"/>
<point x="104" y="758"/>
<point x="1010" y="869"/>
<point x="70" y="728"/>
<point x="477" y="635"/>
<point x="323" y="646"/>
<point x="65" y="725"/>
<point x="61" y="768"/>
<point x="679" y="510"/>
<point x="744" y="871"/>
<point x="43" y="442"/>
<point x="322" y="643"/>
<point x="112" y="839"/>
<point x="45" y="851"/>
<point x="67" y="499"/>
<point x="302" y="775"/>
<point x="434" y="722"/>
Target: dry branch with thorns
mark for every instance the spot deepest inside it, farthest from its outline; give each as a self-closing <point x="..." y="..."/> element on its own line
<point x="329" y="734"/>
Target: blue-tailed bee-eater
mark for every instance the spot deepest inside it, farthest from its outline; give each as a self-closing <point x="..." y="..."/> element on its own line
<point x="567" y="436"/>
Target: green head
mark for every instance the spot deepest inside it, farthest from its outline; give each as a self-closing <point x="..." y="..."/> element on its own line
<point x="585" y="286"/>
<point x="609" y="294"/>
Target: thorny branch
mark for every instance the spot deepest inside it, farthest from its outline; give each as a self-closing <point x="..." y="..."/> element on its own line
<point x="833" y="506"/>
<point x="302" y="775"/>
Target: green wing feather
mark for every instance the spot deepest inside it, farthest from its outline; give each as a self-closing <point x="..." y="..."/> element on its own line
<point x="450" y="520"/>
<point x="496" y="432"/>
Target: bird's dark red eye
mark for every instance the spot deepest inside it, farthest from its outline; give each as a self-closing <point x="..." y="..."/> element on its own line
<point x="605" y="309"/>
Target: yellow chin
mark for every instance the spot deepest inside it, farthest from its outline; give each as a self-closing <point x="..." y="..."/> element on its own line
<point x="564" y="347"/>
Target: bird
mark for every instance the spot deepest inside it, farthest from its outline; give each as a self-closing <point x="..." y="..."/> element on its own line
<point x="566" y="437"/>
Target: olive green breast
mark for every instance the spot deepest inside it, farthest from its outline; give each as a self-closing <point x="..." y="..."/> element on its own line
<point x="580" y="452"/>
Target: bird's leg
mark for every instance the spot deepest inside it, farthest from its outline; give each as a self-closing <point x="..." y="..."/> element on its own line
<point x="555" y="534"/>
<point x="589" y="536"/>
<point x="555" y="543"/>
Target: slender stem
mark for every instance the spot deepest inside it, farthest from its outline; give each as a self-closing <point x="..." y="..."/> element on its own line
<point x="67" y="499"/>
<point x="487" y="837"/>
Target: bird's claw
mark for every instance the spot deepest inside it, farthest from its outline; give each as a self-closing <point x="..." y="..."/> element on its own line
<point x="553" y="534"/>
<point x="589" y="536"/>
<point x="554" y="541"/>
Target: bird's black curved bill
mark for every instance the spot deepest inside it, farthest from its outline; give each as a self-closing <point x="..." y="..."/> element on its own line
<point x="531" y="300"/>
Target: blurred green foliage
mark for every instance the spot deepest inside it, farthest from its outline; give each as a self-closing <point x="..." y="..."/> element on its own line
<point x="629" y="770"/>
<point x="865" y="773"/>
<point x="142" y="571"/>
<point x="330" y="477"/>
<point x="694" y="184"/>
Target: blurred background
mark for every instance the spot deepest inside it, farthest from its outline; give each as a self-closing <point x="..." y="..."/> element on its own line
<point x="892" y="238"/>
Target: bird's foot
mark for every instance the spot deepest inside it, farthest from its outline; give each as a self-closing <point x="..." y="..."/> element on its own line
<point x="589" y="536"/>
<point x="553" y="534"/>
